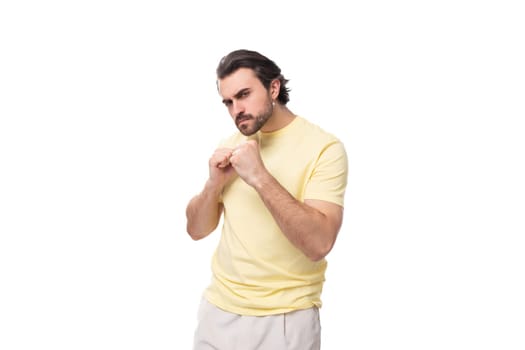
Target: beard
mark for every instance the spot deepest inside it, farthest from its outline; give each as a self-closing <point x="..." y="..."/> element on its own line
<point x="258" y="121"/>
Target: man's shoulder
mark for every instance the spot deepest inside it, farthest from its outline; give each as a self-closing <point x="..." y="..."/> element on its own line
<point x="316" y="131"/>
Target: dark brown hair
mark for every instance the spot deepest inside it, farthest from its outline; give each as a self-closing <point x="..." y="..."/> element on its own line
<point x="265" y="70"/>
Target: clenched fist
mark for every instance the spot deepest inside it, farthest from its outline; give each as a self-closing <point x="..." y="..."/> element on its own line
<point x="247" y="162"/>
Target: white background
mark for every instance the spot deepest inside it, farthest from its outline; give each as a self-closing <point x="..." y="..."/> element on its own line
<point x="109" y="113"/>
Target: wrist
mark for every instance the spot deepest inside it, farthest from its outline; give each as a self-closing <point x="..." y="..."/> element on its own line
<point x="213" y="188"/>
<point x="262" y="182"/>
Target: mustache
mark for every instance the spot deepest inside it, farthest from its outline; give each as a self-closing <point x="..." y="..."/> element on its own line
<point x="241" y="116"/>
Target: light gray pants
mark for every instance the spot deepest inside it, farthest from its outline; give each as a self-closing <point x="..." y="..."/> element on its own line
<point x="221" y="330"/>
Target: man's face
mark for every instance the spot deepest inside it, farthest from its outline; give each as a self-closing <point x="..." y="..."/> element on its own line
<point x="248" y="102"/>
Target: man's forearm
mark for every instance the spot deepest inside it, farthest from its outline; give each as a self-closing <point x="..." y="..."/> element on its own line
<point x="203" y="212"/>
<point x="306" y="227"/>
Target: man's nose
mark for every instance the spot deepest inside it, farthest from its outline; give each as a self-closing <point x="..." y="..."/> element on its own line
<point x="238" y="108"/>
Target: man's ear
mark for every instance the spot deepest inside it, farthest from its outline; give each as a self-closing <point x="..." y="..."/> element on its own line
<point x="275" y="87"/>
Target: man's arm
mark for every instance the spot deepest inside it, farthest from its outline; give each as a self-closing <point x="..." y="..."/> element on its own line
<point x="204" y="210"/>
<point x="311" y="226"/>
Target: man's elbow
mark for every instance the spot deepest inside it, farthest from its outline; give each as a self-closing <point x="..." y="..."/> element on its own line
<point x="197" y="233"/>
<point x="322" y="249"/>
<point x="320" y="252"/>
<point x="195" y="236"/>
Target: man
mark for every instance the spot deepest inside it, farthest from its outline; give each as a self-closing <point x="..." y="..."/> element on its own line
<point x="280" y="184"/>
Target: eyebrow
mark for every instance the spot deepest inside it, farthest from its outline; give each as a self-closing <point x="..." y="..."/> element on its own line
<point x="237" y="95"/>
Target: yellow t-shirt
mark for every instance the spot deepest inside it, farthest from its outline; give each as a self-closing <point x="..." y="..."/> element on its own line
<point x="255" y="269"/>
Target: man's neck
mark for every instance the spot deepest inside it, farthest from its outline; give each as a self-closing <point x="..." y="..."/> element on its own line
<point x="280" y="118"/>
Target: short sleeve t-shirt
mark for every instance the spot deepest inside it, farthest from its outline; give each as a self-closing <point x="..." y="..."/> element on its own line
<point x="255" y="269"/>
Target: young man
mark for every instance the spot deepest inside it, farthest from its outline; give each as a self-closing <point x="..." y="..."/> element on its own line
<point x="280" y="184"/>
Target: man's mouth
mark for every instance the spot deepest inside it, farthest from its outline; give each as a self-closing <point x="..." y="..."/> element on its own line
<point x="239" y="120"/>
